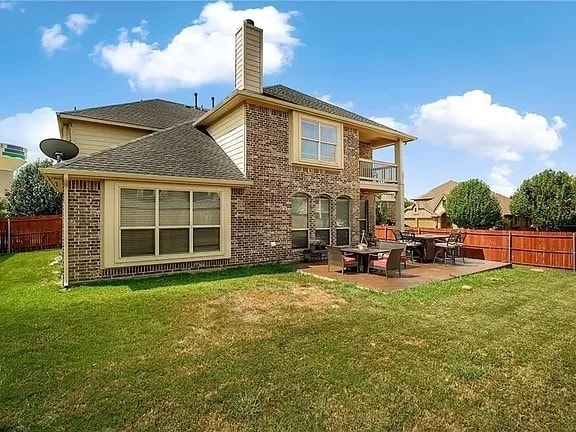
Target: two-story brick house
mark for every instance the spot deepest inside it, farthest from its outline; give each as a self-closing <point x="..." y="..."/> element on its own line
<point x="161" y="187"/>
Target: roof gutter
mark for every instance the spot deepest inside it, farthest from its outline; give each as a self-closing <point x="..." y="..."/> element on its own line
<point x="53" y="175"/>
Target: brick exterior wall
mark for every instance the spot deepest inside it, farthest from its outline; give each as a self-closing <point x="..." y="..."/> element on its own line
<point x="83" y="230"/>
<point x="260" y="214"/>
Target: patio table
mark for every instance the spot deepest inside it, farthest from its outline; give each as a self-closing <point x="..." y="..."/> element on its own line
<point x="362" y="255"/>
<point x="428" y="245"/>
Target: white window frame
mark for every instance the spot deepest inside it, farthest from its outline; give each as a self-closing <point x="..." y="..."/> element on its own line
<point x="110" y="225"/>
<point x="297" y="119"/>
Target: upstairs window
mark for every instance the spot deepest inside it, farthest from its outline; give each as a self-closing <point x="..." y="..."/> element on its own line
<point x="317" y="142"/>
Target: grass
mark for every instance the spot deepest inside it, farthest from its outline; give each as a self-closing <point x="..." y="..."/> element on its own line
<point x="267" y="349"/>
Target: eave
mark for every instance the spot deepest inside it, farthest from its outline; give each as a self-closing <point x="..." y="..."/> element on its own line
<point x="106" y="122"/>
<point x="54" y="176"/>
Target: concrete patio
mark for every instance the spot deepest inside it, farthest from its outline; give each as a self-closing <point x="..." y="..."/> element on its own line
<point x="415" y="274"/>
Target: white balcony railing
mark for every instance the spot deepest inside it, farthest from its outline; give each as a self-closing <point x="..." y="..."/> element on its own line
<point x="378" y="172"/>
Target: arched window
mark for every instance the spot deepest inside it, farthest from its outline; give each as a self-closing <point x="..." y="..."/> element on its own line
<point x="342" y="221"/>
<point x="323" y="219"/>
<point x="299" y="222"/>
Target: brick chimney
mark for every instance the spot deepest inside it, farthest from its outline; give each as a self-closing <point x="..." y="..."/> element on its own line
<point x="249" y="47"/>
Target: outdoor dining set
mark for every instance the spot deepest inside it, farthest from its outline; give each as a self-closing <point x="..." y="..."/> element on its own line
<point x="385" y="256"/>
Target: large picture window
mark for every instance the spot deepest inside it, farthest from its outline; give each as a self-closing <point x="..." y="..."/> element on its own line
<point x="323" y="219"/>
<point x="156" y="222"/>
<point x="342" y="222"/>
<point x="299" y="222"/>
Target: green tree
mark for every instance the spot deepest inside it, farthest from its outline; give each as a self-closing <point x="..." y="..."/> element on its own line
<point x="471" y="204"/>
<point x="3" y="207"/>
<point x="408" y="203"/>
<point x="30" y="194"/>
<point x="548" y="199"/>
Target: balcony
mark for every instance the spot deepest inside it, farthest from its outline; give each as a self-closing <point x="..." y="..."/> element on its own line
<point x="376" y="175"/>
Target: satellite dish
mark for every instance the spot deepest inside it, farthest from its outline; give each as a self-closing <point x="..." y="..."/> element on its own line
<point x="59" y="149"/>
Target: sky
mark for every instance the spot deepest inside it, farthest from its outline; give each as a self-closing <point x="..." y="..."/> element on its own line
<point x="488" y="87"/>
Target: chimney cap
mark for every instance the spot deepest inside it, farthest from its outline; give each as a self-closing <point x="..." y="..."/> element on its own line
<point x="249" y="21"/>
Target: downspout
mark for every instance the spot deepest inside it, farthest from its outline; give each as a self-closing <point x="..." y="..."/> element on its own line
<point x="65" y="232"/>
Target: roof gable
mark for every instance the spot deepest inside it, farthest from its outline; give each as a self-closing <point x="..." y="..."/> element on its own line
<point x="153" y="113"/>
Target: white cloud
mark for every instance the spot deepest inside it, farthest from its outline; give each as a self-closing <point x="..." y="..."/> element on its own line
<point x="78" y="23"/>
<point x="394" y="124"/>
<point x="141" y="31"/>
<point x="28" y="129"/>
<point x="348" y="105"/>
<point x="499" y="180"/>
<point x="202" y="53"/>
<point x="6" y="5"/>
<point x="53" y="39"/>
<point x="474" y="123"/>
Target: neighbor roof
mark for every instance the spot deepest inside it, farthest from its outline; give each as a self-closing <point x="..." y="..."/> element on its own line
<point x="430" y="200"/>
<point x="153" y="113"/>
<point x="298" y="98"/>
<point x="179" y="151"/>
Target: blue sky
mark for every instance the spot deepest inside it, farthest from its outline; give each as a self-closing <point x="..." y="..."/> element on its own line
<point x="488" y="87"/>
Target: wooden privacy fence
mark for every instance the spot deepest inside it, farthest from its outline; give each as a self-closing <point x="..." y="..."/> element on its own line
<point x="30" y="233"/>
<point x="536" y="248"/>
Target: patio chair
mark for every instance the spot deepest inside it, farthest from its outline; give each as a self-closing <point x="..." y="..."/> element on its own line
<point x="392" y="245"/>
<point x="413" y="247"/>
<point x="338" y="259"/>
<point x="450" y="248"/>
<point x="390" y="262"/>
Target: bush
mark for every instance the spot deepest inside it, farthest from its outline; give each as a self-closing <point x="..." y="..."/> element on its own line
<point x="472" y="204"/>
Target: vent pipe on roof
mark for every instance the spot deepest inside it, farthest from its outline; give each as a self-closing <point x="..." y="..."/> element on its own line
<point x="212" y="101"/>
<point x="196" y="100"/>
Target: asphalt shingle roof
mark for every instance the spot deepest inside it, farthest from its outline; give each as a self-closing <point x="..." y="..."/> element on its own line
<point x="179" y="151"/>
<point x="293" y="96"/>
<point x="153" y="113"/>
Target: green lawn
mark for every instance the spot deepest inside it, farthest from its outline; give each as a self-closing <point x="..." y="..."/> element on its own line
<point x="268" y="349"/>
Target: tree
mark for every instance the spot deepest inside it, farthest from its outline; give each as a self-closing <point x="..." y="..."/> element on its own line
<point x="548" y="199"/>
<point x="3" y="207"/>
<point x="30" y="194"/>
<point x="408" y="203"/>
<point x="472" y="204"/>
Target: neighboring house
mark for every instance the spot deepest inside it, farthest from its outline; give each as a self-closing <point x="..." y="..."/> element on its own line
<point x="428" y="210"/>
<point x="11" y="158"/>
<point x="163" y="187"/>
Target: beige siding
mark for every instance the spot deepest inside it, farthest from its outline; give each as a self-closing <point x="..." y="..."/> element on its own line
<point x="239" y="75"/>
<point x="229" y="133"/>
<point x="93" y="137"/>
<point x="248" y="63"/>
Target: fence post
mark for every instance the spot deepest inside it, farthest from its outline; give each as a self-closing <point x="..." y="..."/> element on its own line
<point x="509" y="246"/>
<point x="9" y="239"/>
<point x="574" y="251"/>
